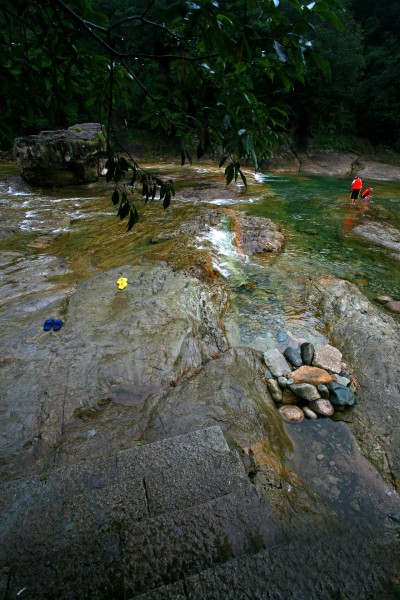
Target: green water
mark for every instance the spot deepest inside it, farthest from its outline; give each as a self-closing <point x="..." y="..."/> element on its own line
<point x="317" y="219"/>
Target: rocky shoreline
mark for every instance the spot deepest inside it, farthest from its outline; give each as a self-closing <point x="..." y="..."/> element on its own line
<point x="68" y="156"/>
<point x="381" y="167"/>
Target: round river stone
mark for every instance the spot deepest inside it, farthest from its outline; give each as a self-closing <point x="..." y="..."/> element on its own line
<point x="291" y="413"/>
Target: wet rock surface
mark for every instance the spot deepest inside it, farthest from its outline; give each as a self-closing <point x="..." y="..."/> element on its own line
<point x="368" y="337"/>
<point x="254" y="235"/>
<point x="382" y="235"/>
<point x="118" y="351"/>
<point x="100" y="499"/>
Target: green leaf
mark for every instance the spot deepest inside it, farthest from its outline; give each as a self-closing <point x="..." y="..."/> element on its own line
<point x="243" y="177"/>
<point x="236" y="167"/>
<point x="133" y="218"/>
<point x="115" y="197"/>
<point x="331" y="18"/>
<point x="123" y="210"/>
<point x="222" y="161"/>
<point x="229" y="173"/>
<point x="167" y="200"/>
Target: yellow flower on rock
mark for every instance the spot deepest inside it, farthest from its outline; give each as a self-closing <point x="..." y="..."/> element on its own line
<point x="122" y="283"/>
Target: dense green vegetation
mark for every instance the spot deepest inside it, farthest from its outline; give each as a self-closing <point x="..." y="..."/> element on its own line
<point x="231" y="76"/>
<point x="202" y="71"/>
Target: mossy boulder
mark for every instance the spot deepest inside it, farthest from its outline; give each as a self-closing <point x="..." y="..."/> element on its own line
<point x="61" y="158"/>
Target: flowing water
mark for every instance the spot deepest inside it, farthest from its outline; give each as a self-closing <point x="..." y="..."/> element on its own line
<point x="72" y="232"/>
<point x="317" y="220"/>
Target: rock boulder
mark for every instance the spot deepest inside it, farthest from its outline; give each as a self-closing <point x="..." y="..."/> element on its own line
<point x="60" y="158"/>
<point x="254" y="235"/>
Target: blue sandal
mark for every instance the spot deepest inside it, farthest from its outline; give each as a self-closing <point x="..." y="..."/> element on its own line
<point x="57" y="324"/>
<point x="48" y="324"/>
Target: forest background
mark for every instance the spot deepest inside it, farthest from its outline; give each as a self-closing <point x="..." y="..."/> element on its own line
<point x="243" y="76"/>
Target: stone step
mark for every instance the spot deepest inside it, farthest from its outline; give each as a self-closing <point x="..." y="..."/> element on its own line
<point x="107" y="508"/>
<point x="168" y="453"/>
<point x="137" y="519"/>
<point x="93" y="556"/>
<point x="347" y="564"/>
<point x="192" y="482"/>
<point x="161" y="549"/>
<point x="143" y="488"/>
<point x="138" y="462"/>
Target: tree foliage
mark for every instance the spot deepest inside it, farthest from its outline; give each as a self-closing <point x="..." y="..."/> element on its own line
<point x="327" y="105"/>
<point x="215" y="76"/>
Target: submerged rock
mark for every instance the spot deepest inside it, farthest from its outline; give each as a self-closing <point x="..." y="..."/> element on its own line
<point x="381" y="234"/>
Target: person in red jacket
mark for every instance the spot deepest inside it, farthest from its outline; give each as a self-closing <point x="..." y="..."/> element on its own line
<point x="356" y="188"/>
<point x="366" y="194"/>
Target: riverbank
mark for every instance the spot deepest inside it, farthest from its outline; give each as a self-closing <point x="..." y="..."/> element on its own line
<point x="382" y="165"/>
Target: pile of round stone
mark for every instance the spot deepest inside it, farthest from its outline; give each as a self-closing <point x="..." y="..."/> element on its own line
<point x="308" y="382"/>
